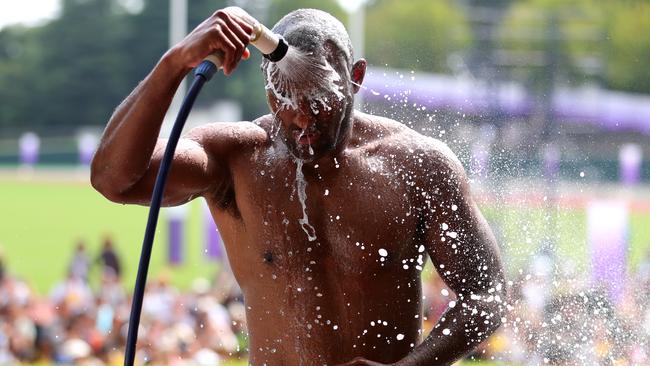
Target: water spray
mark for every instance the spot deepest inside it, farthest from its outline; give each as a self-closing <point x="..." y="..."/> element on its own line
<point x="274" y="48"/>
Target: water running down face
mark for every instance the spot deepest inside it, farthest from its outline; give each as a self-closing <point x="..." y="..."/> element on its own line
<point x="310" y="91"/>
<point x="312" y="108"/>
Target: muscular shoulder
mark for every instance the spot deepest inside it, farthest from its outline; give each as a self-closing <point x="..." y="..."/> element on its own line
<point x="414" y="151"/>
<point x="224" y="137"/>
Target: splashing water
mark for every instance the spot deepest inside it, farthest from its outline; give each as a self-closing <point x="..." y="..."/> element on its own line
<point x="374" y="92"/>
<point x="300" y="75"/>
<point x="301" y="186"/>
<point x="558" y="312"/>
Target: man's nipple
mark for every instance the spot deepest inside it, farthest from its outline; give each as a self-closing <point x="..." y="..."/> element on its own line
<point x="268" y="257"/>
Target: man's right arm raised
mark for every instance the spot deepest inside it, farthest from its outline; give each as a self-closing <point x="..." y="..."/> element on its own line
<point x="129" y="154"/>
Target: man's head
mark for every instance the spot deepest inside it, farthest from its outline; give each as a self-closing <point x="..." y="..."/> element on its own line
<point x="311" y="91"/>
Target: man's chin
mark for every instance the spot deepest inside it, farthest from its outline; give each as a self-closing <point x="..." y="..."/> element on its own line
<point x="307" y="154"/>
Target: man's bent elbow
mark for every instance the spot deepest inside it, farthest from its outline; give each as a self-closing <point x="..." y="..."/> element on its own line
<point x="105" y="187"/>
<point x="109" y="185"/>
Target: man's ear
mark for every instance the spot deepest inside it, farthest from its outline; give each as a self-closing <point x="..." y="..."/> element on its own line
<point x="358" y="73"/>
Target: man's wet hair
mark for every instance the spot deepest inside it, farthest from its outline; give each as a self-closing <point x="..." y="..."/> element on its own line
<point x="313" y="32"/>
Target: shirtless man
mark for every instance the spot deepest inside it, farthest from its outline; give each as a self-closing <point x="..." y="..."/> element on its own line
<point x="327" y="213"/>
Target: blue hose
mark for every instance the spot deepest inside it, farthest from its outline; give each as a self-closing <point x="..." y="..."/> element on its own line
<point x="202" y="74"/>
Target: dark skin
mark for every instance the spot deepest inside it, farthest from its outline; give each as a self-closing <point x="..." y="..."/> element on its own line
<point x="379" y="196"/>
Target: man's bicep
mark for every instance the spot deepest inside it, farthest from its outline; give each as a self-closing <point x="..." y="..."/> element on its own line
<point x="191" y="174"/>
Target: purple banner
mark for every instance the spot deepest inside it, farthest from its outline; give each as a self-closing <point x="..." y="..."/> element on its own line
<point x="175" y="253"/>
<point x="29" y="145"/>
<point x="630" y="158"/>
<point x="551" y="161"/>
<point x="86" y="145"/>
<point x="605" y="109"/>
<point x="214" y="248"/>
<point x="607" y="234"/>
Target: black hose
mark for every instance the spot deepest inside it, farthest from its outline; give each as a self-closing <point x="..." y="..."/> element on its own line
<point x="203" y="73"/>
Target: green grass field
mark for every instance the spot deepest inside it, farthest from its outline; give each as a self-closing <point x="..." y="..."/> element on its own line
<point x="43" y="218"/>
<point x="41" y="222"/>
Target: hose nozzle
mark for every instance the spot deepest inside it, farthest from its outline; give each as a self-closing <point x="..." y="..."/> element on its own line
<point x="272" y="46"/>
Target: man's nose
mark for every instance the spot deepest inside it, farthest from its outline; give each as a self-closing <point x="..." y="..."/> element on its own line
<point x="301" y="120"/>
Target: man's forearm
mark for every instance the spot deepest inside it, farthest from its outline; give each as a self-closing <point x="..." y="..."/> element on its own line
<point x="130" y="137"/>
<point x="459" y="330"/>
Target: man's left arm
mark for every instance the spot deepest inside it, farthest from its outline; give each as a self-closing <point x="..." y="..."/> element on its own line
<point x="465" y="254"/>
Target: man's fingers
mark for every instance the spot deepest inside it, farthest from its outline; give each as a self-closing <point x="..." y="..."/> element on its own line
<point x="247" y="28"/>
<point x="246" y="55"/>
<point x="224" y="43"/>
<point x="238" y="27"/>
<point x="232" y="47"/>
<point x="237" y="37"/>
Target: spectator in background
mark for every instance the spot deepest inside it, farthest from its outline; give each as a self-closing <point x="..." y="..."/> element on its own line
<point x="109" y="259"/>
<point x="111" y="290"/>
<point x="72" y="296"/>
<point x="80" y="263"/>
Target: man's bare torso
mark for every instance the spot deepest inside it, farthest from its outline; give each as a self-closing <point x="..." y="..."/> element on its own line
<point x="354" y="290"/>
<point x="390" y="196"/>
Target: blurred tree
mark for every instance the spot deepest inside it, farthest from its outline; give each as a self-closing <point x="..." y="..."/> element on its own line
<point x="416" y="34"/>
<point x="20" y="53"/>
<point x="74" y="70"/>
<point x="84" y="68"/>
<point x="548" y="41"/>
<point x="629" y="48"/>
<point x="279" y="8"/>
<point x="484" y="18"/>
<point x="579" y="41"/>
<point x="148" y="39"/>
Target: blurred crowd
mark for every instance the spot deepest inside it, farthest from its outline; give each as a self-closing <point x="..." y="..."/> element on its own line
<point x="557" y="316"/>
<point x="82" y="324"/>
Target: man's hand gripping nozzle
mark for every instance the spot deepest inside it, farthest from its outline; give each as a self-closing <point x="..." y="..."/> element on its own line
<point x="272" y="45"/>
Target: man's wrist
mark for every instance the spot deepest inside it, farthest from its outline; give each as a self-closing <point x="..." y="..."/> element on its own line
<point x="173" y="61"/>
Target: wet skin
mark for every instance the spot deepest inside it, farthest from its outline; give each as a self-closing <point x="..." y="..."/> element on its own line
<point x="373" y="187"/>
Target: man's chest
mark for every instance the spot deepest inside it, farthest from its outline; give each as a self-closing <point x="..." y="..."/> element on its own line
<point x="359" y="217"/>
